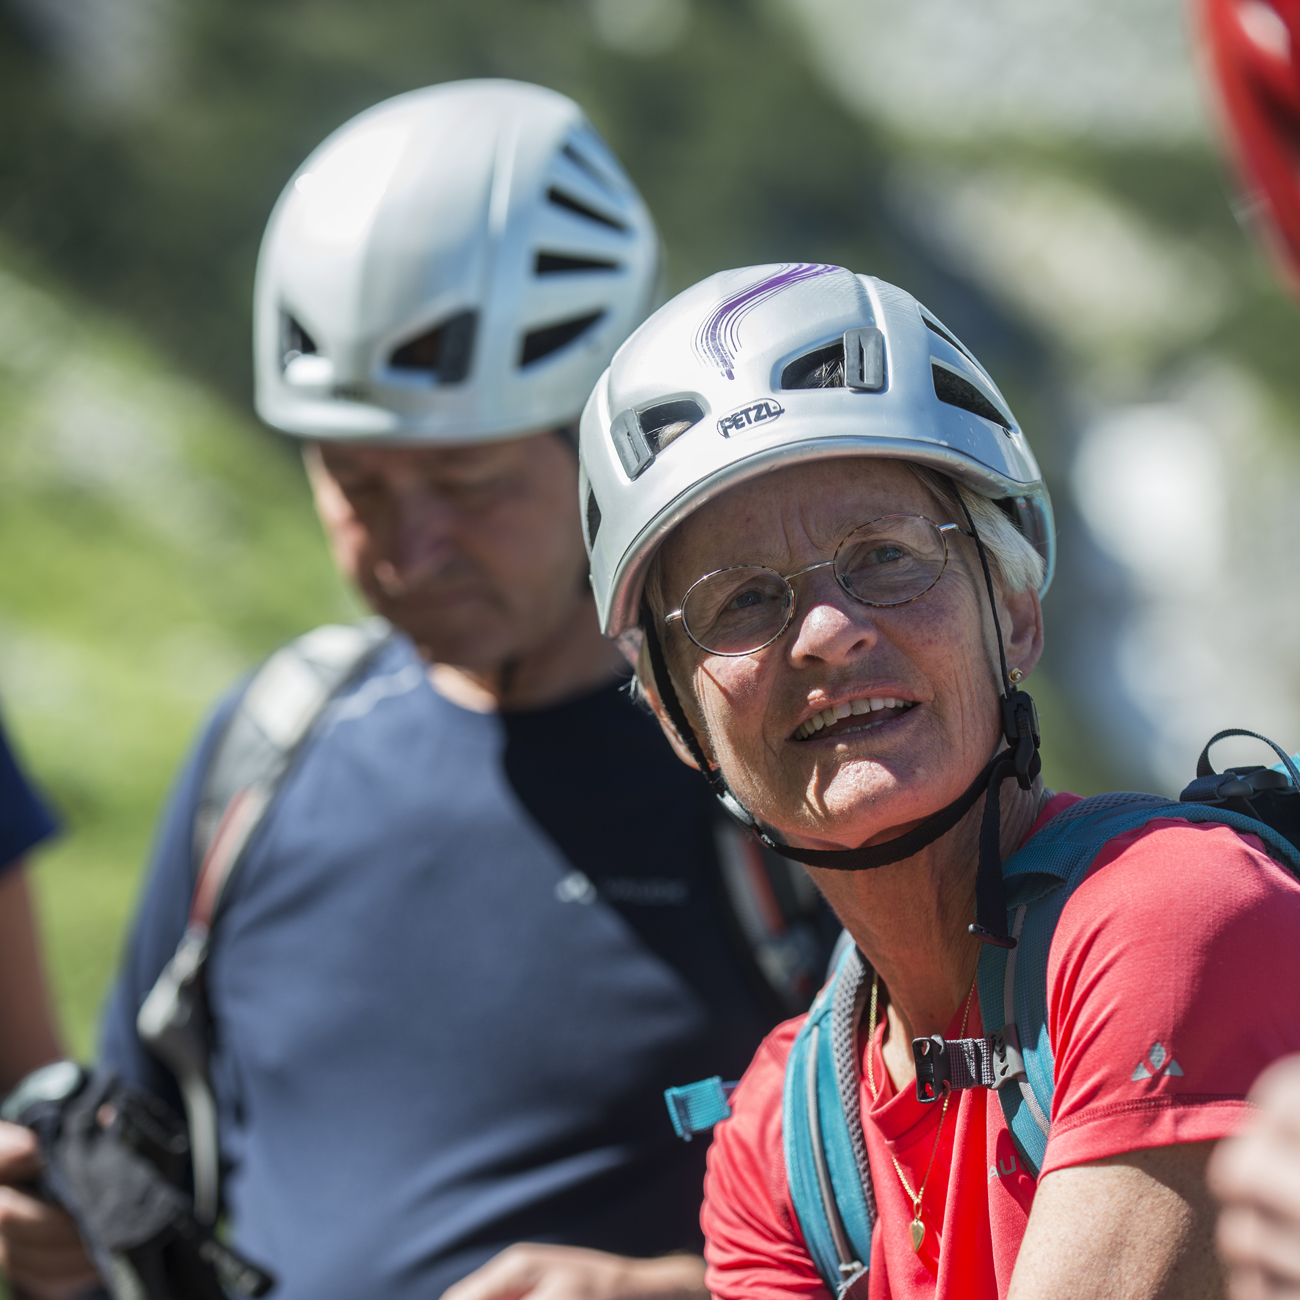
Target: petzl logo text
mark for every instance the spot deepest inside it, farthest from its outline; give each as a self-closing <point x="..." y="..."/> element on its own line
<point x="756" y="413"/>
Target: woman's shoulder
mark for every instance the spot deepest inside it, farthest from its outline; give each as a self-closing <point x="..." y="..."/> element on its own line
<point x="755" y="1249"/>
<point x="1192" y="886"/>
<point x="747" y="1147"/>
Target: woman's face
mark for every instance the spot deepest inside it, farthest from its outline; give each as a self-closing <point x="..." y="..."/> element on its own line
<point x="870" y="772"/>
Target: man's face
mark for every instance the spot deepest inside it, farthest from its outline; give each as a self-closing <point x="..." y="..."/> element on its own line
<point x="474" y="551"/>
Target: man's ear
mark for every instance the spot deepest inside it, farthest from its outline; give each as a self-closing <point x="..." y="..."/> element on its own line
<point x="1022" y="629"/>
<point x="649" y="691"/>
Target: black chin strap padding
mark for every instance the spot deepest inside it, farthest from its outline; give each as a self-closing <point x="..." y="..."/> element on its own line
<point x="990" y="921"/>
<point x="881" y="855"/>
<point x="668" y="694"/>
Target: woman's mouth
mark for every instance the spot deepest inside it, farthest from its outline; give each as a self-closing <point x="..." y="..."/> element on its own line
<point x="853" y="715"/>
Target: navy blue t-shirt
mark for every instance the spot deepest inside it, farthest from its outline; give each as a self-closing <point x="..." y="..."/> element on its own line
<point x="462" y="959"/>
<point x="24" y="819"/>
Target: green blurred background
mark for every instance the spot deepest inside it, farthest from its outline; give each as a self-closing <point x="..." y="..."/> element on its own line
<point x="156" y="542"/>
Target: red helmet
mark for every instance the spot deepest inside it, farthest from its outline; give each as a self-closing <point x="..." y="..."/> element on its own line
<point x="1255" y="49"/>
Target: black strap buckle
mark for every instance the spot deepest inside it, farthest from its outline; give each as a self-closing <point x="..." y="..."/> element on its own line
<point x="933" y="1068"/>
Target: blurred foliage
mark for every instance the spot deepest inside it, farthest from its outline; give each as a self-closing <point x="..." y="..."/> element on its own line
<point x="165" y="542"/>
<point x="156" y="546"/>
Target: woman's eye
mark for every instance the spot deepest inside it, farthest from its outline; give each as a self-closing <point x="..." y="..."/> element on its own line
<point x="887" y="554"/>
<point x="746" y="599"/>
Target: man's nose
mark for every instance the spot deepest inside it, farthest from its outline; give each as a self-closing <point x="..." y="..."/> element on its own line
<point x="829" y="625"/>
<point x="421" y="540"/>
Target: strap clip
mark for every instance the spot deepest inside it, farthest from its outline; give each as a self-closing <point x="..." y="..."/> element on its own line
<point x="933" y="1068"/>
<point x="1006" y="1058"/>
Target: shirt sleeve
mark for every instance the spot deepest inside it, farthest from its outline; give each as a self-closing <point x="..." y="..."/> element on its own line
<point x="1173" y="980"/>
<point x="159" y="923"/>
<point x="753" y="1246"/>
<point x="24" y="819"/>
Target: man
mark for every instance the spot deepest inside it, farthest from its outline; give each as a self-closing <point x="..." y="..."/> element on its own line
<point x="483" y="924"/>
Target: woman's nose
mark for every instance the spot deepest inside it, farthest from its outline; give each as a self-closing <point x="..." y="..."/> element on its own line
<point x="829" y="625"/>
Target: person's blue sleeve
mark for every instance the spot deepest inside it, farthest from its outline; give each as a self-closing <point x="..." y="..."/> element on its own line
<point x="159" y="923"/>
<point x="24" y="819"/>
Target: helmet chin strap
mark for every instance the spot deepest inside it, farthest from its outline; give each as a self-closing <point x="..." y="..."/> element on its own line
<point x="1019" y="759"/>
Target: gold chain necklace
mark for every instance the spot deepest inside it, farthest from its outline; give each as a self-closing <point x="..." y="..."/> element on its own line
<point x="916" y="1227"/>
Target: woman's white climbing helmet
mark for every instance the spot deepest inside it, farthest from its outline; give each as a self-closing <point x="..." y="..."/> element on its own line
<point x="768" y="366"/>
<point x="455" y="264"/>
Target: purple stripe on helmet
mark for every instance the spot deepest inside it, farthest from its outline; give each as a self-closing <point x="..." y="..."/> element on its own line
<point x="718" y="338"/>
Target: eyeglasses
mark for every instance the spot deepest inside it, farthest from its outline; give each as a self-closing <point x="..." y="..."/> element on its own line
<point x="745" y="607"/>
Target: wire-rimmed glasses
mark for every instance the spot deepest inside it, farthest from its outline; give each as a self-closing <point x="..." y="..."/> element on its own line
<point x="745" y="607"/>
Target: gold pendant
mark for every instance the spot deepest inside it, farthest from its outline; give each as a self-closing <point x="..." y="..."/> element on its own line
<point x="917" y="1229"/>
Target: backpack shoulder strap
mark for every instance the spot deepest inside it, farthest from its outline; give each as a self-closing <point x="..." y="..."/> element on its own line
<point x="1039" y="879"/>
<point x="821" y="1126"/>
<point x="255" y="752"/>
<point x="268" y="726"/>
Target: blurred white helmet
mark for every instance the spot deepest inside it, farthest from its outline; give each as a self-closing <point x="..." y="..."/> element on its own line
<point x="767" y="366"/>
<point x="457" y="264"/>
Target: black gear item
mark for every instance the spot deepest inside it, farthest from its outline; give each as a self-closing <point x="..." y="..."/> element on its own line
<point x="114" y="1159"/>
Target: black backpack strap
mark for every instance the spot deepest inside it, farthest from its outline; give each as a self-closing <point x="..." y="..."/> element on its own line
<point x="256" y="751"/>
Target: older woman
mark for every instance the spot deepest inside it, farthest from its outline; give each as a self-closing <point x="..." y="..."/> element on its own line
<point x="815" y="523"/>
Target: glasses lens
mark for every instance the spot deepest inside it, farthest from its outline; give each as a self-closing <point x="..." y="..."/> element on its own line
<point x="891" y="560"/>
<point x="737" y="610"/>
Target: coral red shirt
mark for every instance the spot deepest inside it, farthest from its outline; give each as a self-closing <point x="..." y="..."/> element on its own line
<point x="1173" y="980"/>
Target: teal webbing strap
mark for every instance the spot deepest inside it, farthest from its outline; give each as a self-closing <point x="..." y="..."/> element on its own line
<point x="697" y="1107"/>
<point x="825" y="1175"/>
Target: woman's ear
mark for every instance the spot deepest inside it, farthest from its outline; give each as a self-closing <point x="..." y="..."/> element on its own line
<point x="1022" y="629"/>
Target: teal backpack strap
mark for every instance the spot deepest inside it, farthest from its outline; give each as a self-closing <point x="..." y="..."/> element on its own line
<point x="821" y="1125"/>
<point x="1039" y="880"/>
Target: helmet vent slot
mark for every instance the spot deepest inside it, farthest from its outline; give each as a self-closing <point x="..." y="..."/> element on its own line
<point x="444" y="352"/>
<point x="593" y="518"/>
<point x="950" y="387"/>
<point x="295" y="341"/>
<point x="935" y="328"/>
<point x="666" y="422"/>
<point x="823" y="368"/>
<point x="585" y="165"/>
<point x="559" y="263"/>
<point x="542" y="342"/>
<point x="566" y="201"/>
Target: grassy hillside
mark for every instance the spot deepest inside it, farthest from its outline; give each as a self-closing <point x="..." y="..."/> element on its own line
<point x="155" y="545"/>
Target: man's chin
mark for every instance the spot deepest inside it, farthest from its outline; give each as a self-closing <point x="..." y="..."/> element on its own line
<point x="471" y="643"/>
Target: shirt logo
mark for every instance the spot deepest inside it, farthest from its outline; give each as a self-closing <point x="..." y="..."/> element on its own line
<point x="651" y="891"/>
<point x="755" y="413"/>
<point x="1156" y="1062"/>
<point x="1005" y="1168"/>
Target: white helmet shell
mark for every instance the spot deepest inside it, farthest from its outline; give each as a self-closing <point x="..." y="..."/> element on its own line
<point x="454" y="265"/>
<point x="711" y="391"/>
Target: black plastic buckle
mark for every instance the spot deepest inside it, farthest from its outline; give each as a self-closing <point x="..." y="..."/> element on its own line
<point x="1020" y="727"/>
<point x="933" y="1068"/>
